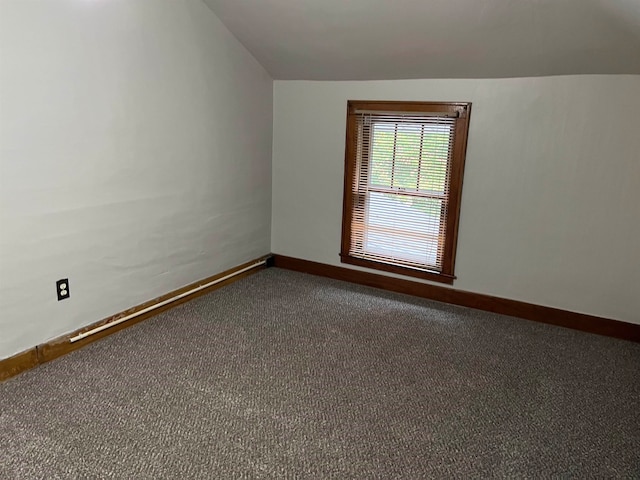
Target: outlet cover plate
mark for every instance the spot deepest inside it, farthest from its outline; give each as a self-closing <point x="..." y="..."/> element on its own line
<point x="62" y="288"/>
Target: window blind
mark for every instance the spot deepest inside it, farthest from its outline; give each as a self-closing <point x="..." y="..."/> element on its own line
<point x="400" y="190"/>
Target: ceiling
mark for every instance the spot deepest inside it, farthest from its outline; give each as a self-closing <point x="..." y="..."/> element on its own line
<point x="397" y="39"/>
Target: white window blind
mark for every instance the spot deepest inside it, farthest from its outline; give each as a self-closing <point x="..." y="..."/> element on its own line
<point x="401" y="186"/>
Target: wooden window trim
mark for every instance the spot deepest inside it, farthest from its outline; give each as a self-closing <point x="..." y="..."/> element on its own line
<point x="463" y="111"/>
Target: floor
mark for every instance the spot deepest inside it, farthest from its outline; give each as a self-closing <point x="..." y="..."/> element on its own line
<point x="286" y="375"/>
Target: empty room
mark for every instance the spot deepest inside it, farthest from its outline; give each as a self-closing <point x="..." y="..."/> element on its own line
<point x="341" y="239"/>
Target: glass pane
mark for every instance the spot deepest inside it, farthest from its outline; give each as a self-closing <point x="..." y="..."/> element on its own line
<point x="382" y="154"/>
<point x="435" y="157"/>
<point x="411" y="156"/>
<point x="407" y="156"/>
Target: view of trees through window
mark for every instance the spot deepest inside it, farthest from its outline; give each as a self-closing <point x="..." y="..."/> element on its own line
<point x="410" y="156"/>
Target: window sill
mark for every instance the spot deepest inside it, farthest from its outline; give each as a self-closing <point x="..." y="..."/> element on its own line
<point x="387" y="267"/>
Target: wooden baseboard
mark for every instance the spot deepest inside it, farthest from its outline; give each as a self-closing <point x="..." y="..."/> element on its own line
<point x="18" y="363"/>
<point x="60" y="346"/>
<point x="514" y="308"/>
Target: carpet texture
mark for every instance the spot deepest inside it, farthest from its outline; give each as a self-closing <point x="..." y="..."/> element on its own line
<point x="286" y="375"/>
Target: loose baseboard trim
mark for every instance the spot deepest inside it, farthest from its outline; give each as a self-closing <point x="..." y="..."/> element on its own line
<point x="514" y="308"/>
<point x="57" y="347"/>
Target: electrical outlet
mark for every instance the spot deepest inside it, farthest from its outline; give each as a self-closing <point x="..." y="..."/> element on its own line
<point x="62" y="287"/>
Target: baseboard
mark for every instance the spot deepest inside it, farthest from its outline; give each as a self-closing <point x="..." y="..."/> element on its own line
<point x="62" y="345"/>
<point x="18" y="363"/>
<point x="514" y="308"/>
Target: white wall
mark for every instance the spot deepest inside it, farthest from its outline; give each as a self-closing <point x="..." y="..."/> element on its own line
<point x="551" y="198"/>
<point x="135" y="157"/>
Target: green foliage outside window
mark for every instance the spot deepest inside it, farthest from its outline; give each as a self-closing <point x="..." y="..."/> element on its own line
<point x="411" y="158"/>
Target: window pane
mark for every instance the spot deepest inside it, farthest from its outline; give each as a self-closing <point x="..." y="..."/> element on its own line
<point x="435" y="157"/>
<point x="411" y="156"/>
<point x="382" y="154"/>
<point x="407" y="156"/>
<point x="402" y="227"/>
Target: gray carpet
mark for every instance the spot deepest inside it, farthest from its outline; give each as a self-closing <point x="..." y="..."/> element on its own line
<point x="285" y="375"/>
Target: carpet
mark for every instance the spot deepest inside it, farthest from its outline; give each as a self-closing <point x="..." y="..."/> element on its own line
<point x="287" y="375"/>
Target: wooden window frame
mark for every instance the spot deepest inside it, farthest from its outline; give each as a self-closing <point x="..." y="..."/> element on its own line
<point x="460" y="109"/>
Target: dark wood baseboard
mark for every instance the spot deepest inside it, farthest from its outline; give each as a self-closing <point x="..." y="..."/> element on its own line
<point x="61" y="346"/>
<point x="514" y="308"/>
<point x="18" y="363"/>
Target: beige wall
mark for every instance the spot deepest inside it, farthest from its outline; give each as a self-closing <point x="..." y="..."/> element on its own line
<point x="551" y="198"/>
<point x="135" y="158"/>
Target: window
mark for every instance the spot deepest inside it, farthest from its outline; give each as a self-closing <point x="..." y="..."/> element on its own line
<point x="403" y="182"/>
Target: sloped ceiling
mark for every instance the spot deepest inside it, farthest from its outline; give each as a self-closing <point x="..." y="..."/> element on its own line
<point x="396" y="39"/>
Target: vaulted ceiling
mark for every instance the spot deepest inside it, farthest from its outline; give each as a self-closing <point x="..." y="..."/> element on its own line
<point x="396" y="39"/>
